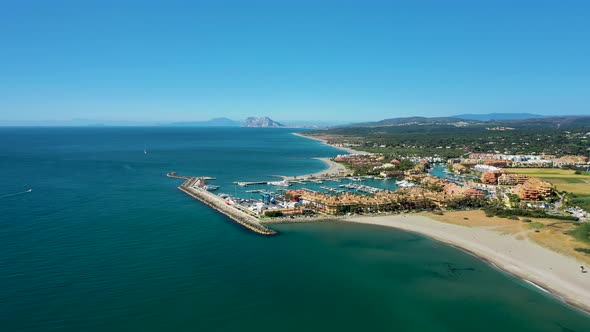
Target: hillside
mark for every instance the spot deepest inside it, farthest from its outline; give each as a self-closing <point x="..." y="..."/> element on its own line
<point x="539" y="122"/>
<point x="407" y="121"/>
<point x="498" y="116"/>
<point x="448" y="137"/>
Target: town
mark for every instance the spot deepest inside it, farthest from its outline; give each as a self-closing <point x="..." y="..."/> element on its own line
<point x="372" y="183"/>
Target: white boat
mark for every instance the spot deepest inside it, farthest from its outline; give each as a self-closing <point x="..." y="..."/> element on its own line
<point x="405" y="184"/>
<point x="210" y="187"/>
<point x="282" y="183"/>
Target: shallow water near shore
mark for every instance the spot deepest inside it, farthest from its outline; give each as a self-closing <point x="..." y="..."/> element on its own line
<point x="105" y="241"/>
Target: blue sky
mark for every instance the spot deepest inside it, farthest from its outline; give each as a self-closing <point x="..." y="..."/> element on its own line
<point x="291" y="60"/>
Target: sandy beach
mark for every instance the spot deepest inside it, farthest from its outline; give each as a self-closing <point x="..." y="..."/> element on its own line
<point x="334" y="169"/>
<point x="512" y="253"/>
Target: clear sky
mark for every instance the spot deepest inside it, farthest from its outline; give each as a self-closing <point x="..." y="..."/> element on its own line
<point x="291" y="60"/>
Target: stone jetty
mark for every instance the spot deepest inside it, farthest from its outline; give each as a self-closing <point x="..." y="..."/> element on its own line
<point x="193" y="187"/>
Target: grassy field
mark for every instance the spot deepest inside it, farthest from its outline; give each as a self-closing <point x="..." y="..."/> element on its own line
<point x="564" y="180"/>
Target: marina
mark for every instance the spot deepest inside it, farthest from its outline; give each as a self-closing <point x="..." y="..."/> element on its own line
<point x="196" y="188"/>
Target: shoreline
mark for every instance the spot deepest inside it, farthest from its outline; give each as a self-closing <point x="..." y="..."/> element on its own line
<point x="334" y="169"/>
<point x="551" y="272"/>
<point x="325" y="142"/>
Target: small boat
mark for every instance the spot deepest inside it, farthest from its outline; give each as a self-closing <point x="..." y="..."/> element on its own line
<point x="283" y="183"/>
<point x="210" y="187"/>
<point x="405" y="184"/>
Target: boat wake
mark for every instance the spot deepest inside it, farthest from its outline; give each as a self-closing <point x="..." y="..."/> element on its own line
<point x="16" y="194"/>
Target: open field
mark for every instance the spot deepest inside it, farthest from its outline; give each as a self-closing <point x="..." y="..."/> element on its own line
<point x="564" y="180"/>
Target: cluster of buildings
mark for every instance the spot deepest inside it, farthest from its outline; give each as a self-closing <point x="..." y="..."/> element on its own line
<point x="379" y="164"/>
<point x="433" y="192"/>
<point x="504" y="160"/>
<point x="525" y="187"/>
<point x="361" y="160"/>
<point x="533" y="189"/>
<point x="500" y="177"/>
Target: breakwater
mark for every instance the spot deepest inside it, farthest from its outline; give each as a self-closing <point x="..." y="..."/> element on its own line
<point x="191" y="187"/>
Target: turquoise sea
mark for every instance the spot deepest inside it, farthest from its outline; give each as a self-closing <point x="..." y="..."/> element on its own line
<point x="105" y="242"/>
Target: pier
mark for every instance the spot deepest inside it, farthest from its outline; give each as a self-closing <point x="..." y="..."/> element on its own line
<point x="176" y="176"/>
<point x="192" y="186"/>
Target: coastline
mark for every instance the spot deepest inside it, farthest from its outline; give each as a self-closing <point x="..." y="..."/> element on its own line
<point x="334" y="169"/>
<point x="542" y="268"/>
<point x="325" y="142"/>
<point x="546" y="270"/>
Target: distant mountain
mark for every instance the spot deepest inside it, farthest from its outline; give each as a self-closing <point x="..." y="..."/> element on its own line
<point x="442" y="122"/>
<point x="264" y="122"/>
<point x="498" y="116"/>
<point x="576" y="121"/>
<point x="217" y="122"/>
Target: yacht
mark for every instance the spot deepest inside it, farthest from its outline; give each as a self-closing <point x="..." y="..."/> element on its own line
<point x="282" y="183"/>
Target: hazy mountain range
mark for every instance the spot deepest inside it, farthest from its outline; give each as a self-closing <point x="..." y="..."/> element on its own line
<point x="217" y="122"/>
<point x="498" y="116"/>
<point x="513" y="120"/>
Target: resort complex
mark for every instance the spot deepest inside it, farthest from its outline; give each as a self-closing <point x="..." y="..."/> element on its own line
<point x="374" y="183"/>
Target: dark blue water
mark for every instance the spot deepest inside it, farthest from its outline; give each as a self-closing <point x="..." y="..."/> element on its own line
<point x="105" y="242"/>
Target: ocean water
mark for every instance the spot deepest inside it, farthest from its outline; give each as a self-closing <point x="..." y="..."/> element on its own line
<point x="105" y="242"/>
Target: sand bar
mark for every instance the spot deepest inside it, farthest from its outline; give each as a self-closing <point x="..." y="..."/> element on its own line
<point x="552" y="271"/>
